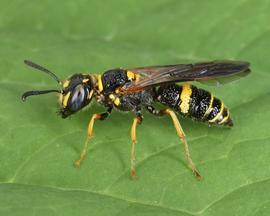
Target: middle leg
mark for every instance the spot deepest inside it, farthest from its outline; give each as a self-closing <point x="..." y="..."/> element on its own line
<point x="137" y="120"/>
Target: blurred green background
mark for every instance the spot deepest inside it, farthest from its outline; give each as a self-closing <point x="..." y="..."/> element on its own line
<point x="37" y="147"/>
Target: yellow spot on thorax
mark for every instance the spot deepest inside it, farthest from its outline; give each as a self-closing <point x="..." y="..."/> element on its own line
<point x="112" y="96"/>
<point x="100" y="85"/>
<point x="115" y="99"/>
<point x="65" y="99"/>
<point x="185" y="98"/>
<point x="131" y="75"/>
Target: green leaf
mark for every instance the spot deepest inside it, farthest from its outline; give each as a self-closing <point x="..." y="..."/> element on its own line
<point x="37" y="147"/>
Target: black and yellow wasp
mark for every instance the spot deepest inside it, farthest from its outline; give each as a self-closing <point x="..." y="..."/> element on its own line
<point x="139" y="89"/>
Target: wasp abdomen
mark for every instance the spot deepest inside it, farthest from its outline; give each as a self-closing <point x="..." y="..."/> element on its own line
<point x="196" y="103"/>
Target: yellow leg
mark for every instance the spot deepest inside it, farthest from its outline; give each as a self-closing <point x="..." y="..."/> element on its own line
<point x="89" y="136"/>
<point x="137" y="120"/>
<point x="181" y="135"/>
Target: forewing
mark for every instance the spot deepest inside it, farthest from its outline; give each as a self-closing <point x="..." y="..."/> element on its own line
<point x="215" y="70"/>
<point x="159" y="69"/>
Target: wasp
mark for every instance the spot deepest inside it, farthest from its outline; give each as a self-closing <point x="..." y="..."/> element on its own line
<point x="142" y="88"/>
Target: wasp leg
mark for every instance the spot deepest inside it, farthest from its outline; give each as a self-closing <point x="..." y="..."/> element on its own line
<point x="137" y="120"/>
<point x="181" y="135"/>
<point x="95" y="117"/>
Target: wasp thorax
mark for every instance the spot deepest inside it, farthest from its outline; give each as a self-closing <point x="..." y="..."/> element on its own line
<point x="77" y="93"/>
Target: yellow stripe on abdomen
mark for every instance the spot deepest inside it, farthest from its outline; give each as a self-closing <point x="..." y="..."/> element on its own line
<point x="185" y="98"/>
<point x="219" y="114"/>
<point x="209" y="106"/>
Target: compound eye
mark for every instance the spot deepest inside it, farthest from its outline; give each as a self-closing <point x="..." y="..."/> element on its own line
<point x="78" y="98"/>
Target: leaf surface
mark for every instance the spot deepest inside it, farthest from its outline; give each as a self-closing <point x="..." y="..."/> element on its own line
<point x="37" y="147"/>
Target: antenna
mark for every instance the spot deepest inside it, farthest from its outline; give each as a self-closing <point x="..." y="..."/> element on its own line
<point x="31" y="93"/>
<point x="38" y="67"/>
<point x="39" y="92"/>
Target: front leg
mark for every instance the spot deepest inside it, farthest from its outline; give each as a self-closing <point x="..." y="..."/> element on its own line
<point x="100" y="116"/>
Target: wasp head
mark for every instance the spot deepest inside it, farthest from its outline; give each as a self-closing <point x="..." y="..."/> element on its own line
<point x="76" y="92"/>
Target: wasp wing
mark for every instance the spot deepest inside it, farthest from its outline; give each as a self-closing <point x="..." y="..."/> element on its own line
<point x="156" y="75"/>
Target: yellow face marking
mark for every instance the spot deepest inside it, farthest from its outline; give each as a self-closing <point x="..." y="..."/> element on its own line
<point x="85" y="80"/>
<point x="65" y="99"/>
<point x="90" y="94"/>
<point x="209" y="107"/>
<point x="185" y="98"/>
<point x="131" y="75"/>
<point x="66" y="83"/>
<point x="60" y="98"/>
<point x="100" y="85"/>
<point x="219" y="114"/>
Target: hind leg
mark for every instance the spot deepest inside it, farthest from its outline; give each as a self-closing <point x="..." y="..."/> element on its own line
<point x="180" y="134"/>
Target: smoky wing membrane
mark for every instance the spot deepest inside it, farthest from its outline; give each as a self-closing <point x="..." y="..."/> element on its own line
<point x="215" y="70"/>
